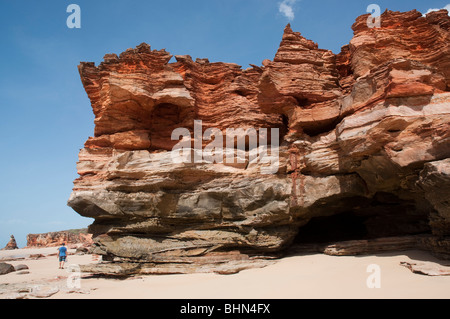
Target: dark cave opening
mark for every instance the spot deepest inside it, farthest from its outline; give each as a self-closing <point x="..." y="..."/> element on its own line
<point x="326" y="229"/>
<point x="385" y="215"/>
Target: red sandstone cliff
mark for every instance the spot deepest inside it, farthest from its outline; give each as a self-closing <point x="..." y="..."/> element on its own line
<point x="53" y="239"/>
<point x="364" y="134"/>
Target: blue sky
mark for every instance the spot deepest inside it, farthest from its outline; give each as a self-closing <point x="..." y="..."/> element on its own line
<point x="46" y="115"/>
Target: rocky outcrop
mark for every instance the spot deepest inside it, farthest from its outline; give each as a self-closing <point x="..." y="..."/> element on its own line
<point x="368" y="246"/>
<point x="435" y="181"/>
<point x="404" y="35"/>
<point x="362" y="151"/>
<point x="427" y="268"/>
<point x="301" y="84"/>
<point x="12" y="244"/>
<point x="53" y="239"/>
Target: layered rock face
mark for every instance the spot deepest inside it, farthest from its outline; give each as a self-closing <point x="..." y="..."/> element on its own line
<point x="363" y="148"/>
<point x="53" y="239"/>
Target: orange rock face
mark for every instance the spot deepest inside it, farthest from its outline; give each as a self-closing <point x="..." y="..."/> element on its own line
<point x="55" y="239"/>
<point x="402" y="36"/>
<point x="302" y="83"/>
<point x="364" y="137"/>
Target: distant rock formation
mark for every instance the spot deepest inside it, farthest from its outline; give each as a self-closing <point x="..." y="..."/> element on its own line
<point x="11" y="245"/>
<point x="364" y="148"/>
<point x="53" y="239"/>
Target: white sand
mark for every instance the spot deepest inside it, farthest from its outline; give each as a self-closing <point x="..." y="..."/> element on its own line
<point x="297" y="277"/>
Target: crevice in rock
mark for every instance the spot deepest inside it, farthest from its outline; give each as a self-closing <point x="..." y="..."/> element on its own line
<point x="242" y="93"/>
<point x="285" y="127"/>
<point x="165" y="118"/>
<point x="302" y="102"/>
<point x="322" y="129"/>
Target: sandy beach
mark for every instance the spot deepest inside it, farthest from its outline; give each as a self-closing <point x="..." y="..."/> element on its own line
<point x="295" y="277"/>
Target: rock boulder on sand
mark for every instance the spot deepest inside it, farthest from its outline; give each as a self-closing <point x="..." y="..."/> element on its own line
<point x="6" y="268"/>
<point x="21" y="267"/>
<point x="427" y="268"/>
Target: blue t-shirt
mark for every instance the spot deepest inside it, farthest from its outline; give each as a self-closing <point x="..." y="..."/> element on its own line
<point x="62" y="251"/>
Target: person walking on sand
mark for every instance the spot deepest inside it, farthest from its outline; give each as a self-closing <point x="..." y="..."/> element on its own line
<point x="62" y="254"/>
